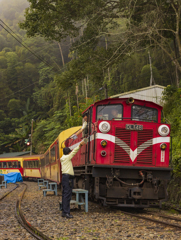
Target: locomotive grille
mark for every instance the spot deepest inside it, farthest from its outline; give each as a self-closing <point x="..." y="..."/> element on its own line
<point x="145" y="137"/>
<point x="121" y="155"/>
<point x="144" y="144"/>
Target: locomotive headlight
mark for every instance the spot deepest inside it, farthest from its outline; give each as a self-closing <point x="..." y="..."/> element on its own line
<point x="163" y="130"/>
<point x="103" y="153"/>
<point x="104" y="127"/>
<point x="163" y="146"/>
<point x="103" y="143"/>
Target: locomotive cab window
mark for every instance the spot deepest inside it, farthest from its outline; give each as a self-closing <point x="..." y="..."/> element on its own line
<point x="146" y="114"/>
<point x="110" y="112"/>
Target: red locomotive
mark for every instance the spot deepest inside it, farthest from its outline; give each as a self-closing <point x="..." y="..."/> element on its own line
<point x="126" y="160"/>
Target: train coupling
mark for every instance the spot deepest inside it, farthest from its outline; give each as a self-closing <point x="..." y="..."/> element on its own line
<point x="135" y="192"/>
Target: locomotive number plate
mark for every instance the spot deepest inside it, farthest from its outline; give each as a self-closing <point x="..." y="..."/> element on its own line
<point x="134" y="127"/>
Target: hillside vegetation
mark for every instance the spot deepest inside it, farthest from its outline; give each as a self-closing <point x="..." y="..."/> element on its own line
<point x="53" y="50"/>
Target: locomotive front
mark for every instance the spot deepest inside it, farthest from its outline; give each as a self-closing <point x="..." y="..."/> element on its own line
<point x="132" y="153"/>
<point x="126" y="160"/>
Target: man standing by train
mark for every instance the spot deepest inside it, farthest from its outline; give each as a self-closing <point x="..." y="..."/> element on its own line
<point x="67" y="178"/>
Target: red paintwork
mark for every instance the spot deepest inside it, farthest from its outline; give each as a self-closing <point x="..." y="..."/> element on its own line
<point x="21" y="170"/>
<point x="150" y="157"/>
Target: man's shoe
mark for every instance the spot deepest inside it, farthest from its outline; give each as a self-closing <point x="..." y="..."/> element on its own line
<point x="67" y="215"/>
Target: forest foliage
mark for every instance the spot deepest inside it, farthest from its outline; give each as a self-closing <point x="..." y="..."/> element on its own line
<point x="55" y="49"/>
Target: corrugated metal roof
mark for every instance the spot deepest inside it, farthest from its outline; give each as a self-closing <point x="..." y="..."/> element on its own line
<point x="151" y="93"/>
<point x="14" y="154"/>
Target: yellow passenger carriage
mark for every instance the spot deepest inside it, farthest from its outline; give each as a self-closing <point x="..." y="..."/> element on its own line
<point x="31" y="166"/>
<point x="11" y="164"/>
<point x="50" y="161"/>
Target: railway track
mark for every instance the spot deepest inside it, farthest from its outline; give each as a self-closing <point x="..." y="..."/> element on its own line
<point x="21" y="219"/>
<point x="6" y="194"/>
<point x="156" y="218"/>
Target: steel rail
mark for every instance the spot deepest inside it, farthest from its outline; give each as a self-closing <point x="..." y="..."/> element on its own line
<point x="9" y="192"/>
<point x="152" y="220"/>
<point x="164" y="216"/>
<point x="21" y="219"/>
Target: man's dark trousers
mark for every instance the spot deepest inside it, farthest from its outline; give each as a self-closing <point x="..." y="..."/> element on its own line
<point x="67" y="184"/>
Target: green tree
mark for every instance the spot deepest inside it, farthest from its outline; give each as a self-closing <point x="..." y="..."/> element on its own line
<point x="14" y="106"/>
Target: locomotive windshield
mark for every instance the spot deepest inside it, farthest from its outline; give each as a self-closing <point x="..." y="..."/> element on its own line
<point x="140" y="113"/>
<point x="109" y="112"/>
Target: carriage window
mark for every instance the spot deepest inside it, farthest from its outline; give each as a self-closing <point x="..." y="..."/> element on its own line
<point x="36" y="164"/>
<point x="4" y="165"/>
<point x="140" y="113"/>
<point x="31" y="164"/>
<point x="47" y="158"/>
<point x="109" y="112"/>
<point x="25" y="164"/>
<point x="14" y="164"/>
<point x="52" y="153"/>
<point x="9" y="165"/>
<point x="57" y="151"/>
<point x="42" y="162"/>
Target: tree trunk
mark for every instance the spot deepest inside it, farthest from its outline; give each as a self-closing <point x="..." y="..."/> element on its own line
<point x="85" y="89"/>
<point x="105" y="87"/>
<point x="108" y="67"/>
<point x="76" y="93"/>
<point x="70" y="106"/>
<point x="177" y="78"/>
<point x="83" y="93"/>
<point x="61" y="54"/>
<point x="176" y="48"/>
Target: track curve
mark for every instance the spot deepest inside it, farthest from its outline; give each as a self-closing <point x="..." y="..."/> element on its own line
<point x="6" y="194"/>
<point x="21" y="219"/>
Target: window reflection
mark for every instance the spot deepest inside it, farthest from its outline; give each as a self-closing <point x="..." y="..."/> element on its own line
<point x="140" y="113"/>
<point x="109" y="112"/>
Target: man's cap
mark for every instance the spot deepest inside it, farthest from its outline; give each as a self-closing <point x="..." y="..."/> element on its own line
<point x="66" y="150"/>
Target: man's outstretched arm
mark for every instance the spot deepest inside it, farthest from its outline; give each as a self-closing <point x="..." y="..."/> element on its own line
<point x="72" y="154"/>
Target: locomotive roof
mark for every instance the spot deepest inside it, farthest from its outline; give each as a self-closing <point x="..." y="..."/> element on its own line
<point x="116" y="100"/>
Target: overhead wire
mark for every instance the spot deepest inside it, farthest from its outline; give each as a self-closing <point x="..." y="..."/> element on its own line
<point x="42" y="60"/>
<point x="15" y="76"/>
<point x="37" y="56"/>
